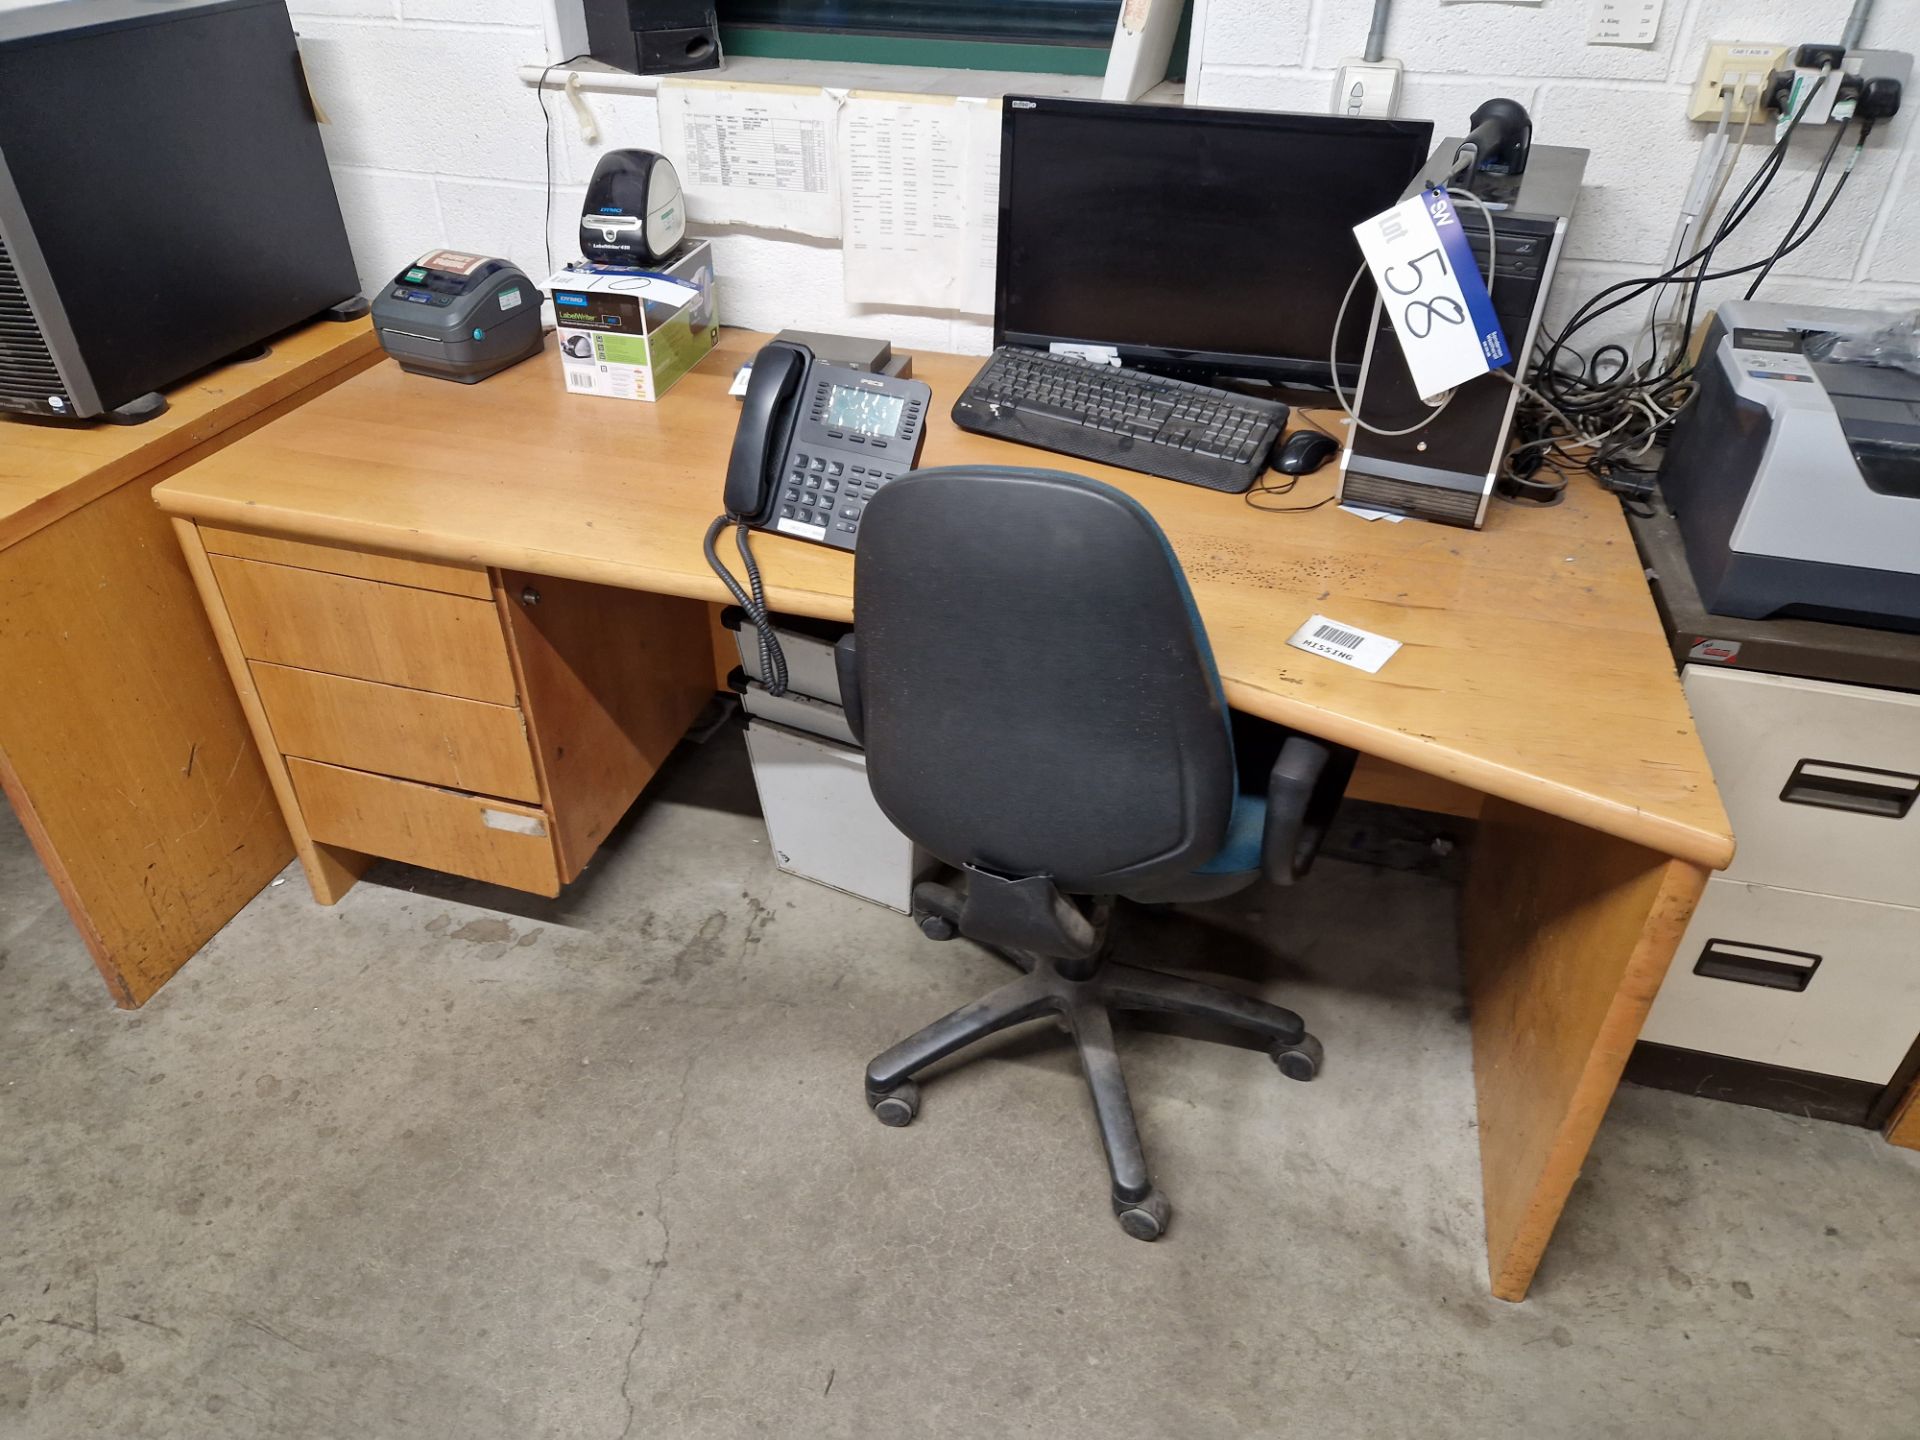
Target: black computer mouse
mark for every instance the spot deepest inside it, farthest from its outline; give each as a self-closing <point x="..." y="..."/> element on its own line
<point x="1304" y="452"/>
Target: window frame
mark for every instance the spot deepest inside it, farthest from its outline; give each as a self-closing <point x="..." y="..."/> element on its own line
<point x="1150" y="43"/>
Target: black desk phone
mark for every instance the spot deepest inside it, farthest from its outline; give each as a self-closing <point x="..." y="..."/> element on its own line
<point x="815" y="443"/>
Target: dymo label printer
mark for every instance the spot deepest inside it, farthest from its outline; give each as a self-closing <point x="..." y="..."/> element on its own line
<point x="458" y="316"/>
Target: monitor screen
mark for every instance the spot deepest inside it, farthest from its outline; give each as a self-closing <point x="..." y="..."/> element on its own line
<point x="1215" y="241"/>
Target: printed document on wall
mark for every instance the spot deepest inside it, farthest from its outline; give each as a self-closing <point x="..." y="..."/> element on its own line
<point x="983" y="205"/>
<point x="754" y="154"/>
<point x="920" y="194"/>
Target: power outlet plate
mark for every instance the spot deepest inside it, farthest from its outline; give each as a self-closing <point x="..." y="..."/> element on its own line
<point x="1368" y="88"/>
<point x="1739" y="65"/>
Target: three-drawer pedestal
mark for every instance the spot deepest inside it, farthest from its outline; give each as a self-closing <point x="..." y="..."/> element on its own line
<point x="482" y="722"/>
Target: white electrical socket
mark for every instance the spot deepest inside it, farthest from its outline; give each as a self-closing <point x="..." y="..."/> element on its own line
<point x="1739" y="67"/>
<point x="1368" y="87"/>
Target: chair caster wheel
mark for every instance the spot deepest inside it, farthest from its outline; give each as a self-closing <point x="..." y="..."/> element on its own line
<point x="1301" y="1060"/>
<point x="937" y="927"/>
<point x="895" y="1107"/>
<point x="1145" y="1218"/>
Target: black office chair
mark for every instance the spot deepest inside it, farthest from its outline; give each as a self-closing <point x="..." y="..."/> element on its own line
<point x="1041" y="711"/>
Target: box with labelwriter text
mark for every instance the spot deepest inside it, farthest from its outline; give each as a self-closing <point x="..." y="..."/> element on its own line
<point x="632" y="333"/>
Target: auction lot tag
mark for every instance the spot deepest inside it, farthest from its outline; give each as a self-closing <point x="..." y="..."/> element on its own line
<point x="1431" y="286"/>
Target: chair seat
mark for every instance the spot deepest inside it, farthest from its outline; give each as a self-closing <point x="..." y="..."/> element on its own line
<point x="1234" y="866"/>
<point x="1246" y="831"/>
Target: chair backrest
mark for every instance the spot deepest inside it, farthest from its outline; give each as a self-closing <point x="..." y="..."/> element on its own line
<point x="1036" y="689"/>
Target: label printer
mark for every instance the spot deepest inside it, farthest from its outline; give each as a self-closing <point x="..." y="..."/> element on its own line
<point x="459" y="316"/>
<point x="1795" y="473"/>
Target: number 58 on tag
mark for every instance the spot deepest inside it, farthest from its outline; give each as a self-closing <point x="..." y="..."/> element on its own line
<point x="1430" y="284"/>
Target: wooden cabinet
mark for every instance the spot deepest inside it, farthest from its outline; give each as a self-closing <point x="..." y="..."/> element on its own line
<point x="490" y="724"/>
<point x="1903" y="1128"/>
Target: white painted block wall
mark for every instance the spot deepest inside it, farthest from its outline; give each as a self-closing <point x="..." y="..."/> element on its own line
<point x="434" y="139"/>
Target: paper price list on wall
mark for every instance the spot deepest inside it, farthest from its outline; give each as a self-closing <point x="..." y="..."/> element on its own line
<point x="921" y="183"/>
<point x="761" y="152"/>
<point x="754" y="154"/>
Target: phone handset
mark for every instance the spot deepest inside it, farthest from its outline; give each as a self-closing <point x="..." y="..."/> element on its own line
<point x="753" y="472"/>
<point x="766" y="426"/>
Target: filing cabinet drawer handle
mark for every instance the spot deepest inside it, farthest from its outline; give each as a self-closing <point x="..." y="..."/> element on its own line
<point x="1831" y="785"/>
<point x="1766" y="965"/>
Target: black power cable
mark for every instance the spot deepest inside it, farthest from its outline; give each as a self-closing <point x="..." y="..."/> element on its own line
<point x="1602" y="412"/>
<point x="546" y="128"/>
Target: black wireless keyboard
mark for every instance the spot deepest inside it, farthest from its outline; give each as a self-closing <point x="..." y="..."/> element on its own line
<point x="1171" y="428"/>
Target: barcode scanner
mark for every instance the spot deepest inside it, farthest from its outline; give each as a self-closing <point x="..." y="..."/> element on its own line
<point x="1500" y="140"/>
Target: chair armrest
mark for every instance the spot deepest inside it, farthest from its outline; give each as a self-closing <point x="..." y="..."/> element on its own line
<point x="846" y="668"/>
<point x="1303" y="793"/>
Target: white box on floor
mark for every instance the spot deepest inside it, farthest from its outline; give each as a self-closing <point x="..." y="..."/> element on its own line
<point x="822" y="820"/>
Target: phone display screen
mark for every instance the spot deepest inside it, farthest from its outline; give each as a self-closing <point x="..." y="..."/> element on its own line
<point x="865" y="412"/>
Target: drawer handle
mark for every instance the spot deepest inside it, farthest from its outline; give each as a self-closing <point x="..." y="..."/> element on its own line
<point x="1831" y="785"/>
<point x="1756" y="965"/>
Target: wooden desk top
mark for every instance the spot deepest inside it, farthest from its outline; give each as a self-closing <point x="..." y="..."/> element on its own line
<point x="1532" y="665"/>
<point x="47" y="471"/>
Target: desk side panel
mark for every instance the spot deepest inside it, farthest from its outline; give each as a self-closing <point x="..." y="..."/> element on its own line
<point x="1904" y="1127"/>
<point x="1566" y="934"/>
<point x="122" y="744"/>
<point x="611" y="679"/>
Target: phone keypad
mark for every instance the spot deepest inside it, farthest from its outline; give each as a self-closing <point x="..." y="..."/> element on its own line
<point x="830" y="494"/>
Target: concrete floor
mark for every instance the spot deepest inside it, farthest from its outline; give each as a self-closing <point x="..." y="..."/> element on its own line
<point x="448" y="1161"/>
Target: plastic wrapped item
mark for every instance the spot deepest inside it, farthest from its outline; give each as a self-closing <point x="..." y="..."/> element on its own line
<point x="1895" y="346"/>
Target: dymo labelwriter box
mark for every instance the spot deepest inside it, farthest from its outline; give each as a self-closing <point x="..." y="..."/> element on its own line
<point x="632" y="333"/>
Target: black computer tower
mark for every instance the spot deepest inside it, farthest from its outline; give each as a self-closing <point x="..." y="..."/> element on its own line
<point x="1446" y="471"/>
<point x="165" y="201"/>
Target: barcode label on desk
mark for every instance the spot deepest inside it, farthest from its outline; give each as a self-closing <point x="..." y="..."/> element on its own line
<point x="1348" y="644"/>
<point x="579" y="379"/>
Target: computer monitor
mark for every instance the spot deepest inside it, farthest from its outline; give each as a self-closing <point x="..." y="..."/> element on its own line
<point x="1193" y="241"/>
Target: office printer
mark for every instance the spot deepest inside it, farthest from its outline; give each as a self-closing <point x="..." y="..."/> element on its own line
<point x="1796" y="479"/>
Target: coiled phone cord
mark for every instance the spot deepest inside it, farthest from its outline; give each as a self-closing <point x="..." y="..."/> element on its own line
<point x="751" y="598"/>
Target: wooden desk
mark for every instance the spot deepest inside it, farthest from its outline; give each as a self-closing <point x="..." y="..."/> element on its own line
<point x="121" y="745"/>
<point x="1533" y="674"/>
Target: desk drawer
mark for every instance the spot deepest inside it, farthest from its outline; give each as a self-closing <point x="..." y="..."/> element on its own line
<point x="1821" y="781"/>
<point x="468" y="580"/>
<point x="415" y="734"/>
<point x="471" y="835"/>
<point x="1809" y="982"/>
<point x="366" y="629"/>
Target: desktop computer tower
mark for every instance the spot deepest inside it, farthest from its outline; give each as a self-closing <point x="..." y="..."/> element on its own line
<point x="1446" y="471"/>
<point x="165" y="201"/>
